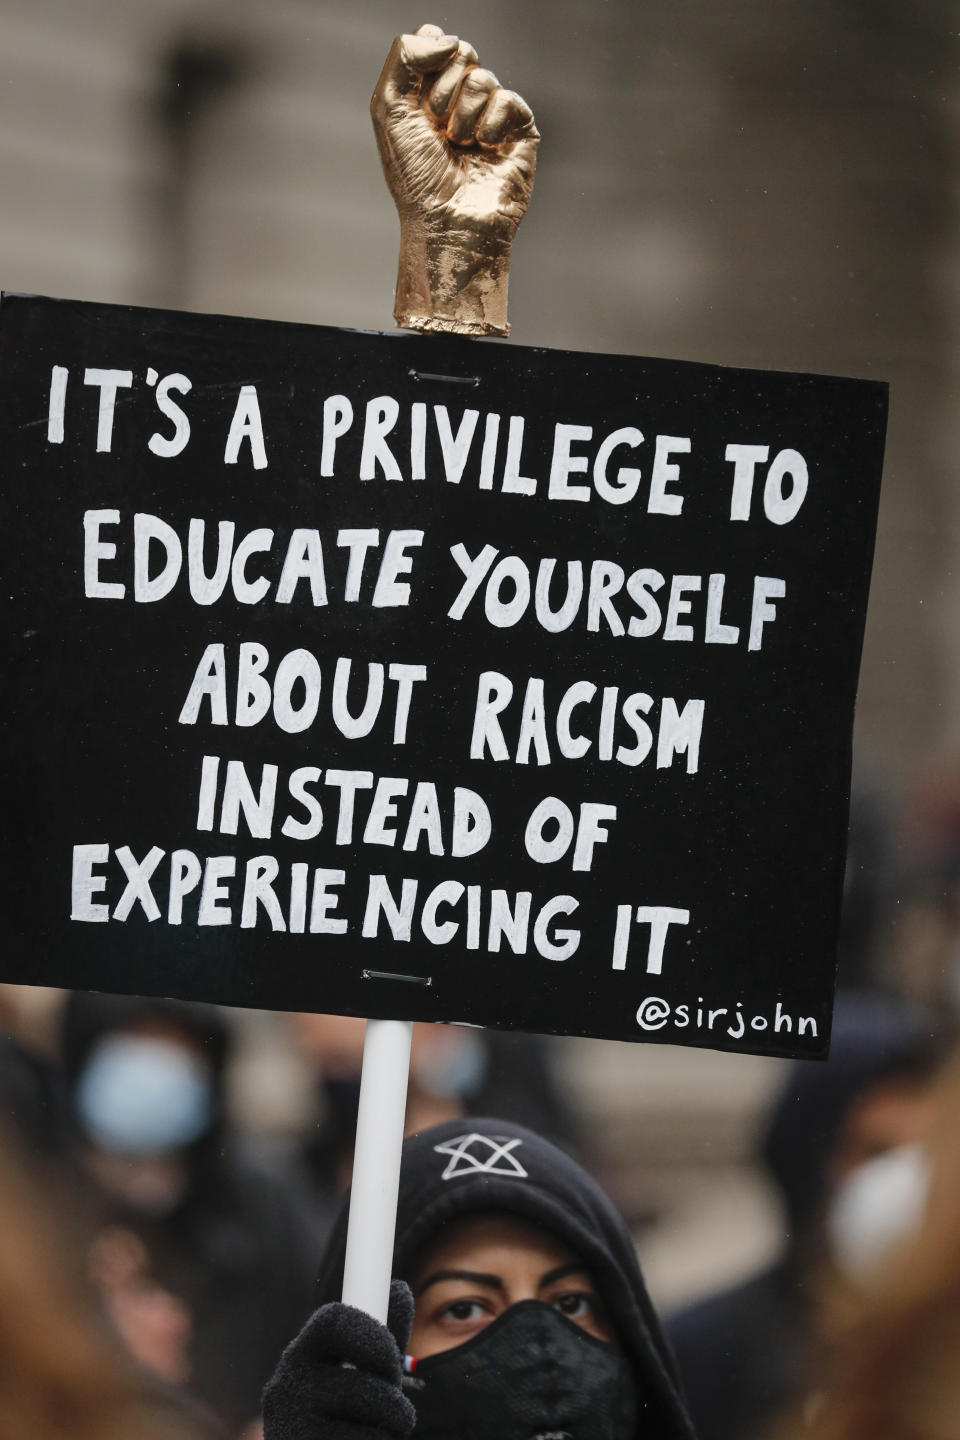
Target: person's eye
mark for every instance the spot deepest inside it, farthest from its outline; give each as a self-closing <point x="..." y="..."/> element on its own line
<point x="575" y="1304"/>
<point x="463" y="1310"/>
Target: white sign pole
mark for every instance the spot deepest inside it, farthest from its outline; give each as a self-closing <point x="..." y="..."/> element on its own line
<point x="376" y="1166"/>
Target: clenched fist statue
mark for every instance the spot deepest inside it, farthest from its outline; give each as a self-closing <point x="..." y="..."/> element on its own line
<point x="459" y="153"/>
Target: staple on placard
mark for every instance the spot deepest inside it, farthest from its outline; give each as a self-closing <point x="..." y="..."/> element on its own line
<point x="473" y="380"/>
<point x="389" y="975"/>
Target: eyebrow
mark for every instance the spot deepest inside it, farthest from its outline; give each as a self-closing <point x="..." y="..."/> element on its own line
<point x="473" y="1277"/>
<point x="576" y="1267"/>
<point x="494" y="1282"/>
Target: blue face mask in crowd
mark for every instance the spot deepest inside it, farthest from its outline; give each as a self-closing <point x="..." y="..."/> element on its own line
<point x="876" y="1208"/>
<point x="139" y="1096"/>
<point x="529" y="1375"/>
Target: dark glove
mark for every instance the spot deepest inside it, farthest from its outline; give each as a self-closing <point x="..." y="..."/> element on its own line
<point x="313" y="1395"/>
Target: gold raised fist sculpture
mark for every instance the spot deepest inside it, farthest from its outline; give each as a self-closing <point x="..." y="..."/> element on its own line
<point x="459" y="153"/>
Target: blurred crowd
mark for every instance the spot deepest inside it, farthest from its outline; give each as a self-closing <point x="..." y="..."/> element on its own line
<point x="157" y="1253"/>
<point x="202" y="1238"/>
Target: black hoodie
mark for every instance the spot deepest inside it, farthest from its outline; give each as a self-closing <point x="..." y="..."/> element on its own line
<point x="471" y="1166"/>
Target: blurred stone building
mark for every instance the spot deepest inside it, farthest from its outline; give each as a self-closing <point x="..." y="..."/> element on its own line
<point x="766" y="183"/>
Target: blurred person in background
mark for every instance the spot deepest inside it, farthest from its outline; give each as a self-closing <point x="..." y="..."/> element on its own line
<point x="748" y="1351"/>
<point x="895" y="1373"/>
<point x="530" y="1318"/>
<point x="62" y="1372"/>
<point x="155" y="1326"/>
<point x="453" y="1071"/>
<point x="207" y="1261"/>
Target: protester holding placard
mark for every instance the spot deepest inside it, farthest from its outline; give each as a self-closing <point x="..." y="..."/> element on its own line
<point x="529" y="1313"/>
<point x="420" y="694"/>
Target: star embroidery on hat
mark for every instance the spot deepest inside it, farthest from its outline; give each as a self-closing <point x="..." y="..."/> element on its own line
<point x="475" y="1154"/>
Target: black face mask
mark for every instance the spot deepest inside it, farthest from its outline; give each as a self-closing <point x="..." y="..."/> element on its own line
<point x="530" y="1375"/>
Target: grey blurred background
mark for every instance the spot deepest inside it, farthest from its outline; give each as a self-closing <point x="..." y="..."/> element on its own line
<point x="765" y="183"/>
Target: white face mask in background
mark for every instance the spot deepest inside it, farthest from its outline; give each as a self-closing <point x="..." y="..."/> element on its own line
<point x="876" y="1207"/>
<point x="142" y="1096"/>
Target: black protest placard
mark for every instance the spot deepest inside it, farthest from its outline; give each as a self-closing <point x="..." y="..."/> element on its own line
<point x="428" y="678"/>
